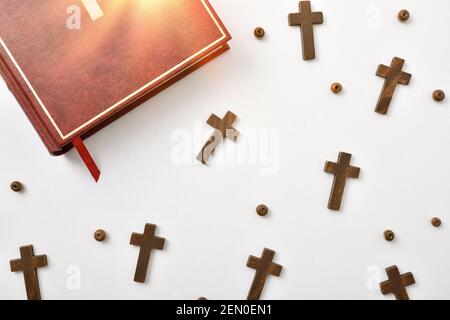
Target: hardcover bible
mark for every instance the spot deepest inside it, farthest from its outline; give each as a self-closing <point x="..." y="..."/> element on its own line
<point x="76" y="65"/>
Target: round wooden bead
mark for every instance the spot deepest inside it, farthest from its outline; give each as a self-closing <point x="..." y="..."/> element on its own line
<point x="438" y="95"/>
<point x="389" y="235"/>
<point x="259" y="32"/>
<point x="403" y="15"/>
<point x="262" y="210"/>
<point x="16" y="186"/>
<point x="336" y="87"/>
<point x="436" y="222"/>
<point x="100" y="235"/>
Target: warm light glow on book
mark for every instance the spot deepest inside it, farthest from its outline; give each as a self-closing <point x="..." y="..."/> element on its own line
<point x="93" y="9"/>
<point x="138" y="16"/>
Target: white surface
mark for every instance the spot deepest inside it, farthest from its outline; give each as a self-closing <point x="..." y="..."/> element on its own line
<point x="207" y="214"/>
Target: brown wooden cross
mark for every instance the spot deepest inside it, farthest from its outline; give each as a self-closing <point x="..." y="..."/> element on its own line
<point x="397" y="283"/>
<point x="341" y="170"/>
<point x="306" y="20"/>
<point x="393" y="75"/>
<point x="28" y="263"/>
<point x="264" y="267"/>
<point x="223" y="129"/>
<point x="147" y="242"/>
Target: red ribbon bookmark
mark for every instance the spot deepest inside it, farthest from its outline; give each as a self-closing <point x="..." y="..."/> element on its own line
<point x="86" y="157"/>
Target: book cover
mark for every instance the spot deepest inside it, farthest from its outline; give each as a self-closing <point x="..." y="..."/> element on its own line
<point x="76" y="65"/>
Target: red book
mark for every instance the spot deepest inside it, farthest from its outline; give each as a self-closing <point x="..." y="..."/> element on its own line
<point x="76" y="65"/>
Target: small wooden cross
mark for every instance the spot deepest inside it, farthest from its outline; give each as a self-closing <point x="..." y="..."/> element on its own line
<point x="147" y="242"/>
<point x="306" y="20"/>
<point x="28" y="263"/>
<point x="397" y="283"/>
<point x="264" y="267"/>
<point x="341" y="170"/>
<point x="393" y="76"/>
<point x="223" y="129"/>
<point x="93" y="8"/>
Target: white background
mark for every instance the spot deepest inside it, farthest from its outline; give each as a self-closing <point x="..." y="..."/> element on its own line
<point x="207" y="214"/>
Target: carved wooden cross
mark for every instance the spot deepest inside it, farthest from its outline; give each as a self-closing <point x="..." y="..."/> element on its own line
<point x="93" y="8"/>
<point x="264" y="267"/>
<point x="28" y="265"/>
<point x="341" y="170"/>
<point x="397" y="283"/>
<point x="147" y="242"/>
<point x="393" y="76"/>
<point x="306" y="20"/>
<point x="223" y="129"/>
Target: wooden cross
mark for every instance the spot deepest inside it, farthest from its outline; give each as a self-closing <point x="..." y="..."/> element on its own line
<point x="341" y="170"/>
<point x="223" y="129"/>
<point x="306" y="20"/>
<point x="397" y="283"/>
<point x="393" y="75"/>
<point x="147" y="242"/>
<point x="264" y="267"/>
<point x="93" y="8"/>
<point x="28" y="263"/>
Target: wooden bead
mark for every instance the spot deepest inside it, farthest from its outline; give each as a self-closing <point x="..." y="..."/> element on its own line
<point x="438" y="95"/>
<point x="389" y="235"/>
<point x="336" y="87"/>
<point x="262" y="210"/>
<point x="202" y="298"/>
<point x="436" y="222"/>
<point x="16" y="186"/>
<point x="403" y="15"/>
<point x="100" y="235"/>
<point x="259" y="32"/>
